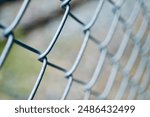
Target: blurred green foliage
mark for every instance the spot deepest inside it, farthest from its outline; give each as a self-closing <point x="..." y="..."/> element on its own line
<point x="18" y="72"/>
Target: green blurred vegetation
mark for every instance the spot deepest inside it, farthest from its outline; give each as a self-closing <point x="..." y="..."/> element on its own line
<point x="18" y="72"/>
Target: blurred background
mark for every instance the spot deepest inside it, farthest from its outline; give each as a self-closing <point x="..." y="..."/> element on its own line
<point x="37" y="29"/>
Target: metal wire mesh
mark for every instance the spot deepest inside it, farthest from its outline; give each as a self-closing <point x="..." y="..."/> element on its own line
<point x="138" y="89"/>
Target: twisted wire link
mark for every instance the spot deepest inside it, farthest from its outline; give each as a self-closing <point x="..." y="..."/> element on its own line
<point x="6" y="48"/>
<point x="137" y="89"/>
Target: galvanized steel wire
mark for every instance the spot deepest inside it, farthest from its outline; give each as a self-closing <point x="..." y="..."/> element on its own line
<point x="127" y="25"/>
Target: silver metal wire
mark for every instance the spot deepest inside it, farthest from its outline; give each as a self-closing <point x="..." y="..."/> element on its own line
<point x="137" y="89"/>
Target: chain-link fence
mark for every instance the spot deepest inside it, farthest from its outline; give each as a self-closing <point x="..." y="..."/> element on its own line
<point x="121" y="65"/>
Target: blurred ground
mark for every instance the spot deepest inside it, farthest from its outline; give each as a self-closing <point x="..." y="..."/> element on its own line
<point x="38" y="27"/>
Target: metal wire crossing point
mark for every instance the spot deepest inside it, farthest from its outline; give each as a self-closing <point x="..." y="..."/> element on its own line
<point x="131" y="86"/>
